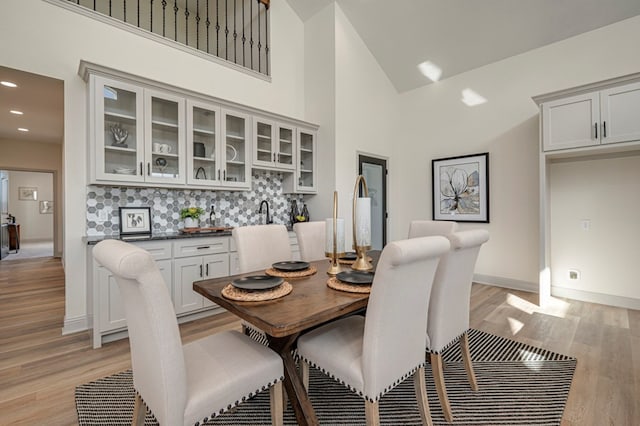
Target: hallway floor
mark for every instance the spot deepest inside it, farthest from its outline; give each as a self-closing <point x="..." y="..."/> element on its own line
<point x="32" y="249"/>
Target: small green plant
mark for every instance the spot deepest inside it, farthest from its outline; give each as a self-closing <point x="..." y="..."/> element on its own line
<point x="193" y="212"/>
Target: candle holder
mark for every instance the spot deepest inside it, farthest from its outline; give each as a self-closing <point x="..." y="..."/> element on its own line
<point x="334" y="239"/>
<point x="361" y="226"/>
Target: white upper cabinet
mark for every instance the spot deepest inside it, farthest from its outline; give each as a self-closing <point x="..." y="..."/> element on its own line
<point x="305" y="178"/>
<point x="274" y="145"/>
<point x="203" y="144"/>
<point x="236" y="156"/>
<point x="601" y="117"/>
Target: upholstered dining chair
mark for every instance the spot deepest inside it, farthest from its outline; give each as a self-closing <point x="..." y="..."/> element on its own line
<point x="429" y="228"/>
<point x="183" y="385"/>
<point x="311" y="238"/>
<point x="449" y="307"/>
<point x="261" y="246"/>
<point x="373" y="355"/>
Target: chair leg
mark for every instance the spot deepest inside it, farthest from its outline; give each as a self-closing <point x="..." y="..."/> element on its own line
<point x="275" y="397"/>
<point x="438" y="377"/>
<point x="139" y="412"/>
<point x="421" y="395"/>
<point x="466" y="358"/>
<point x="371" y="413"/>
<point x="304" y="372"/>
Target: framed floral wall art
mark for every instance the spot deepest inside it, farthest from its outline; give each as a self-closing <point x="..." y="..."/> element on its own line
<point x="461" y="188"/>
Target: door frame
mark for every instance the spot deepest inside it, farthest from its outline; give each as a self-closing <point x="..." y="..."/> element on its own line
<point x="382" y="161"/>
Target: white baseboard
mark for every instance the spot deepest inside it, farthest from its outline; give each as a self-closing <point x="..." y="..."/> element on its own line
<point x="589" y="296"/>
<point x="74" y="325"/>
<point x="506" y="283"/>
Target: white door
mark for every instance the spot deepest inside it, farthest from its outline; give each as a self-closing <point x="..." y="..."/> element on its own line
<point x="620" y="114"/>
<point x="186" y="271"/>
<point x="571" y="122"/>
<point x="215" y="266"/>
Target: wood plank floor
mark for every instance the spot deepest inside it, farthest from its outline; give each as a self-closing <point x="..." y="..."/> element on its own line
<point x="39" y="368"/>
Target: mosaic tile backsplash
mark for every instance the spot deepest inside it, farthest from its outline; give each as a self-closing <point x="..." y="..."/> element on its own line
<point x="232" y="208"/>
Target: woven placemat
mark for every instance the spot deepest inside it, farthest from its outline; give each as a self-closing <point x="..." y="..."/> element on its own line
<point x="292" y="274"/>
<point x="350" y="262"/>
<point x="233" y="293"/>
<point x="336" y="284"/>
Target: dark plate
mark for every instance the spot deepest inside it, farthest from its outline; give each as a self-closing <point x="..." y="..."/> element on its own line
<point x="355" y="277"/>
<point x="291" y="265"/>
<point x="349" y="256"/>
<point x="257" y="282"/>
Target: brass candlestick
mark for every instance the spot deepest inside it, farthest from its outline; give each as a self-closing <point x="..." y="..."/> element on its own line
<point x="362" y="262"/>
<point x="335" y="268"/>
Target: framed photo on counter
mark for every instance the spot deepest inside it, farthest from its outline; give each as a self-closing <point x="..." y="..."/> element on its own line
<point x="461" y="188"/>
<point x="135" y="220"/>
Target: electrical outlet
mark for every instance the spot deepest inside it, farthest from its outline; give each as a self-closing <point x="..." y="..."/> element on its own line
<point x="574" y="274"/>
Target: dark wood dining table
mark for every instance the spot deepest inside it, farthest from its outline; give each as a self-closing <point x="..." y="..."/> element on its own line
<point x="310" y="304"/>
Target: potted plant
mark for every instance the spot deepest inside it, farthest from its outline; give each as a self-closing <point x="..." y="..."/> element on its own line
<point x="191" y="216"/>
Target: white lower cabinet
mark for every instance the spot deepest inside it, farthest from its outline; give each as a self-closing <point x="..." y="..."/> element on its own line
<point x="190" y="269"/>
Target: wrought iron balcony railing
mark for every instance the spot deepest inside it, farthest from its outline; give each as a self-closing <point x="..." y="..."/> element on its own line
<point x="233" y="30"/>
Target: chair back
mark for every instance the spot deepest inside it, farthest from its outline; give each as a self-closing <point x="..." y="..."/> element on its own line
<point x="261" y="246"/>
<point x="311" y="240"/>
<point x="396" y="322"/>
<point x="429" y="228"/>
<point x="451" y="292"/>
<point x="157" y="358"/>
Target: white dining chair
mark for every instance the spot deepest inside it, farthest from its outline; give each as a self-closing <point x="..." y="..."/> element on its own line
<point x="261" y="246"/>
<point x="449" y="307"/>
<point x="311" y="239"/>
<point x="183" y="385"/>
<point x="429" y="228"/>
<point x="371" y="356"/>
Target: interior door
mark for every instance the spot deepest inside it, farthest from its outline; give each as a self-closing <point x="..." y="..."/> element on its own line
<point x="374" y="171"/>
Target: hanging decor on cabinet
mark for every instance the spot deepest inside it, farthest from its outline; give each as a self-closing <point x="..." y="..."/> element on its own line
<point x="461" y="188"/>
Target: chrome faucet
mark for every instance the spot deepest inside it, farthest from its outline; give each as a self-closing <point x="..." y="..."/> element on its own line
<point x="268" y="219"/>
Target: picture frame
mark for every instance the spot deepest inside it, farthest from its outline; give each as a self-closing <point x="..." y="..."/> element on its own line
<point x="27" y="193"/>
<point x="460" y="189"/>
<point x="135" y="221"/>
<point x="46" y="207"/>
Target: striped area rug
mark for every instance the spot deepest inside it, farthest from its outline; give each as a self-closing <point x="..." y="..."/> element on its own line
<point x="519" y="385"/>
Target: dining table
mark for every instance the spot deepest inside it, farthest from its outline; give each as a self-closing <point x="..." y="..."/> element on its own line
<point x="310" y="303"/>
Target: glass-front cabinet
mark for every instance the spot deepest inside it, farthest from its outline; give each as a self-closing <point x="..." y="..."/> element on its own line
<point x="307" y="154"/>
<point x="273" y="145"/>
<point x="119" y="133"/>
<point x="236" y="155"/>
<point x="165" y="146"/>
<point x="203" y="140"/>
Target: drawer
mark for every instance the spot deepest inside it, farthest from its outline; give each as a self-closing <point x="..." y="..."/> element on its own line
<point x="200" y="246"/>
<point x="159" y="250"/>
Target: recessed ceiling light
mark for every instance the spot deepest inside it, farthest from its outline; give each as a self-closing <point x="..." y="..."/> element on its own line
<point x="471" y="98"/>
<point x="8" y="83"/>
<point x="22" y="129"/>
<point x="430" y="70"/>
<point x="16" y="112"/>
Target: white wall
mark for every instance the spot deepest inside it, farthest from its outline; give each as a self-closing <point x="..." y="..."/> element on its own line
<point x="51" y="41"/>
<point x="435" y="124"/>
<point x="33" y="224"/>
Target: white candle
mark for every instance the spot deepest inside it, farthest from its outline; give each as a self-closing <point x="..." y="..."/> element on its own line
<point x="328" y="240"/>
<point x="363" y="221"/>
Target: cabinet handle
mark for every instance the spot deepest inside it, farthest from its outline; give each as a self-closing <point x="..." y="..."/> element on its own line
<point x="207" y="269"/>
<point x="203" y="247"/>
<point x="218" y="174"/>
<point x="595" y="126"/>
<point x="224" y="175"/>
<point x="148" y="169"/>
<point x="200" y="271"/>
<point x="604" y="129"/>
<point x="274" y="156"/>
<point x="141" y="172"/>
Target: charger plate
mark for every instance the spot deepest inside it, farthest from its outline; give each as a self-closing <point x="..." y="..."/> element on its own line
<point x="296" y="274"/>
<point x="336" y="284"/>
<point x="233" y="293"/>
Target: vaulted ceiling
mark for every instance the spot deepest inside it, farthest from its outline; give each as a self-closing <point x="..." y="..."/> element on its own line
<point x="460" y="35"/>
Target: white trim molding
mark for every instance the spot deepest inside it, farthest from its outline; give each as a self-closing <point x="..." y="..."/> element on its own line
<point x="601" y="298"/>
<point x="75" y="324"/>
<point x="511" y="283"/>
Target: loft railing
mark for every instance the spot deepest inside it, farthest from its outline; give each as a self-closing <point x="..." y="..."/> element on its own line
<point x="234" y="30"/>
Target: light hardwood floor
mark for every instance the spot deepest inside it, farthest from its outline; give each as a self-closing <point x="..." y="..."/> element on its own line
<point x="39" y="368"/>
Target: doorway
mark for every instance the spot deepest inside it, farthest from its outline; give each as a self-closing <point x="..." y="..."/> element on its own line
<point x="375" y="172"/>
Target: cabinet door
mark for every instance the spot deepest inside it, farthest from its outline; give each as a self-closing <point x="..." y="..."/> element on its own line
<point x="571" y="122"/>
<point x="164" y="138"/>
<point x="307" y="154"/>
<point x="620" y="114"/>
<point x="203" y="140"/>
<point x="286" y="147"/>
<point x="236" y="129"/>
<point x="264" y="146"/>
<point x="185" y="272"/>
<point x="215" y="266"/>
<point x="118" y="150"/>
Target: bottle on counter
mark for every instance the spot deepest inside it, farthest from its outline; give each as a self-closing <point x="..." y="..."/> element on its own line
<point x="305" y="213"/>
<point x="293" y="212"/>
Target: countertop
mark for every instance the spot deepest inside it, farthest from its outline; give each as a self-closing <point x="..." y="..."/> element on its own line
<point x="93" y="240"/>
